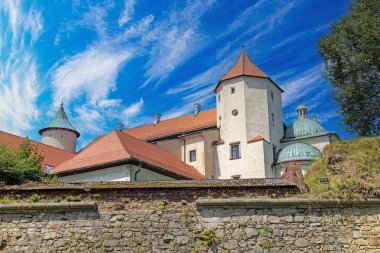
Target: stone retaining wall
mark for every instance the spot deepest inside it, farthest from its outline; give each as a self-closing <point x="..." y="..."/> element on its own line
<point x="214" y="225"/>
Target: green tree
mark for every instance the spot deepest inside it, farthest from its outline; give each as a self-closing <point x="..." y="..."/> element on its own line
<point x="21" y="165"/>
<point x="351" y="55"/>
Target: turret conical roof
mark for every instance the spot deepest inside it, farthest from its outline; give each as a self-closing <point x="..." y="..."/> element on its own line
<point x="60" y="121"/>
<point x="244" y="66"/>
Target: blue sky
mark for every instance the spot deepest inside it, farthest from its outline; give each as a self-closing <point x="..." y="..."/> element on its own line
<point x="117" y="61"/>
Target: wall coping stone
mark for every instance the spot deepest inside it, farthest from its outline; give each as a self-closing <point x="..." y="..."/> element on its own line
<point x="180" y="184"/>
<point x="48" y="208"/>
<point x="291" y="203"/>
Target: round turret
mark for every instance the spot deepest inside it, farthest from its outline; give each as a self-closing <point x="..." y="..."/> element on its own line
<point x="60" y="133"/>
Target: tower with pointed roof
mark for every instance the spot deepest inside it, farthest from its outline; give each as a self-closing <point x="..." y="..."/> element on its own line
<point x="60" y="133"/>
<point x="249" y="118"/>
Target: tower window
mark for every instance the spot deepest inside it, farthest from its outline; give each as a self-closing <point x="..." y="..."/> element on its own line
<point x="235" y="177"/>
<point x="193" y="155"/>
<point x="271" y="94"/>
<point x="61" y="135"/>
<point x="235" y="151"/>
<point x="219" y="98"/>
<point x="272" y="118"/>
<point x="232" y="90"/>
<point x="235" y="112"/>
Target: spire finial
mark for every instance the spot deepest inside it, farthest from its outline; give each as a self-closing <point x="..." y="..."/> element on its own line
<point x="62" y="102"/>
<point x="243" y="47"/>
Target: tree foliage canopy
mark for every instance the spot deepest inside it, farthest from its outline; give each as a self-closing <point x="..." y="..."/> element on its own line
<point x="351" y="54"/>
<point x="21" y="165"/>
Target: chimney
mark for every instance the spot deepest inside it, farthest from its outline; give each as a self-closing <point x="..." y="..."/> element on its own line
<point x="197" y="109"/>
<point x="157" y="118"/>
<point x="121" y="126"/>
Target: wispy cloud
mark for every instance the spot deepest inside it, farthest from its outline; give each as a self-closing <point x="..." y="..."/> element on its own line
<point x="19" y="82"/>
<point x="127" y="13"/>
<point x="91" y="73"/>
<point x="174" y="40"/>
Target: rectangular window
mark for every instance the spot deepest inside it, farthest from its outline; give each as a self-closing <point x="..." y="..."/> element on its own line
<point x="235" y="151"/>
<point x="193" y="155"/>
<point x="232" y="90"/>
<point x="235" y="177"/>
<point x="219" y="98"/>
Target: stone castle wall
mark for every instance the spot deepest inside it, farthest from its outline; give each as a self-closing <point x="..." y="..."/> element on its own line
<point x="207" y="225"/>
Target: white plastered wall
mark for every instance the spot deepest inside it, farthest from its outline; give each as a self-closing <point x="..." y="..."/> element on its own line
<point x="194" y="142"/>
<point x="60" y="138"/>
<point x="317" y="141"/>
<point x="116" y="173"/>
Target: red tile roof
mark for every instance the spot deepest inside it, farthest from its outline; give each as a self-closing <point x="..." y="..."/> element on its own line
<point x="257" y="138"/>
<point x="204" y="119"/>
<point x="117" y="146"/>
<point x="53" y="156"/>
<point x="244" y="66"/>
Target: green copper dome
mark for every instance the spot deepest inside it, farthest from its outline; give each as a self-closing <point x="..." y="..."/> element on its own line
<point x="60" y="121"/>
<point x="298" y="152"/>
<point x="303" y="126"/>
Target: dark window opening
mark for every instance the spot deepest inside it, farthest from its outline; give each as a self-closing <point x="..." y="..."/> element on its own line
<point x="232" y="90"/>
<point x="235" y="177"/>
<point x="271" y="94"/>
<point x="193" y="155"/>
<point x="219" y="98"/>
<point x="235" y="151"/>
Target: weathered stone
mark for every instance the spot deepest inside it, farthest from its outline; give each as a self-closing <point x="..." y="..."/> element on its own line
<point x="301" y="242"/>
<point x="251" y="232"/>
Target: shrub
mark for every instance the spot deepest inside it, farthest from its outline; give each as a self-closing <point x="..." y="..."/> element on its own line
<point x="21" y="165"/>
<point x="34" y="198"/>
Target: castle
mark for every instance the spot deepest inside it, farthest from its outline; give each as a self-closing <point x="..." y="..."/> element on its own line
<point x="243" y="137"/>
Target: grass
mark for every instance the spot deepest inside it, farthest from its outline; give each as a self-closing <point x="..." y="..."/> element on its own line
<point x="352" y="167"/>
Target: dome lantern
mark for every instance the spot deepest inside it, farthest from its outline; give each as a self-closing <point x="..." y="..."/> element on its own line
<point x="302" y="111"/>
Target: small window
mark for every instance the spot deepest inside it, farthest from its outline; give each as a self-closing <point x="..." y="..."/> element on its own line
<point x="61" y="135"/>
<point x="232" y="90"/>
<point x="219" y="98"/>
<point x="235" y="151"/>
<point x="271" y="94"/>
<point x="235" y="112"/>
<point x="272" y="119"/>
<point x="235" y="177"/>
<point x="193" y="155"/>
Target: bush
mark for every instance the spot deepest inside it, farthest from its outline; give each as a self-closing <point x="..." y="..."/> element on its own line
<point x="21" y="165"/>
<point x="353" y="169"/>
<point x="34" y="198"/>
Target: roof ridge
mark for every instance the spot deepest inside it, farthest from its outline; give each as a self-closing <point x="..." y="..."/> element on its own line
<point x="36" y="142"/>
<point x="201" y="112"/>
<point x="121" y="143"/>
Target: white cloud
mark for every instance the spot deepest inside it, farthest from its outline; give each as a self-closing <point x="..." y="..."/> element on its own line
<point x="127" y="13"/>
<point x="174" y="40"/>
<point x="133" y="109"/>
<point x="19" y="84"/>
<point x="302" y="85"/>
<point x="91" y="73"/>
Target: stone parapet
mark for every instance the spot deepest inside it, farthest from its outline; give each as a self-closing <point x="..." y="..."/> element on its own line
<point x="48" y="208"/>
<point x="277" y="203"/>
